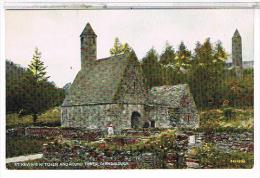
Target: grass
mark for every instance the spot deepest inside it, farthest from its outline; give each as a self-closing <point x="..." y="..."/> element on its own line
<point x="49" y="118"/>
<point x="242" y="120"/>
<point x="210" y="157"/>
<point x="21" y="145"/>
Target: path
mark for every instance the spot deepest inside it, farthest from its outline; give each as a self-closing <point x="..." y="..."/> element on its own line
<point x="23" y="158"/>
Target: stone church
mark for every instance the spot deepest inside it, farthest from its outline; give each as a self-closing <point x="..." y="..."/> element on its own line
<point x="112" y="91"/>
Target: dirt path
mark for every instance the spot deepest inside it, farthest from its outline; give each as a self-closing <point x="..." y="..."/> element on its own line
<point x="23" y="158"/>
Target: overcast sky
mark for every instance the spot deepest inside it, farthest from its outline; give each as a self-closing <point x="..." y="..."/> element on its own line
<point x="56" y="33"/>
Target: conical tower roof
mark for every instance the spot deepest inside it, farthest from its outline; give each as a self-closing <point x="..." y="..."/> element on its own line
<point x="236" y="34"/>
<point x="88" y="31"/>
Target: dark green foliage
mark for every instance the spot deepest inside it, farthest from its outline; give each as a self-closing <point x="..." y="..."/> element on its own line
<point x="152" y="69"/>
<point x="207" y="75"/>
<point x="28" y="91"/>
<point x="21" y="145"/>
<point x="14" y="92"/>
<point x="168" y="55"/>
<point x="183" y="57"/>
<point x="39" y="96"/>
<point x="228" y="113"/>
<point x="210" y="156"/>
<point x="240" y="90"/>
<point x="211" y="83"/>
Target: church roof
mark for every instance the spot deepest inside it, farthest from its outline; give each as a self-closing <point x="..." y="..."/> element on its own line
<point x="98" y="84"/>
<point x="88" y="30"/>
<point x="171" y="96"/>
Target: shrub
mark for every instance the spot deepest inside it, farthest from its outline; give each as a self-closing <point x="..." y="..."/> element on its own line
<point x="228" y="113"/>
<point x="209" y="156"/>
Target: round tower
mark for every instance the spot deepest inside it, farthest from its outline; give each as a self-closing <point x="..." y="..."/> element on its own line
<point x="88" y="47"/>
<point x="237" y="50"/>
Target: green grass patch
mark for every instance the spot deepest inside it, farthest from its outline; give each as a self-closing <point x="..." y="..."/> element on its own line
<point x="17" y="146"/>
<point x="49" y="118"/>
<point x="210" y="157"/>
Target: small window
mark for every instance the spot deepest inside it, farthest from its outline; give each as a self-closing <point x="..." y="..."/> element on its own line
<point x="153" y="124"/>
<point x="146" y="125"/>
<point x="81" y="40"/>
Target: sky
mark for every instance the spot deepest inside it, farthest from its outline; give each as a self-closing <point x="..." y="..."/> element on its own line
<point x="56" y="33"/>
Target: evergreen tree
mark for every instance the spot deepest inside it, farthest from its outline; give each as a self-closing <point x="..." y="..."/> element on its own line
<point x="168" y="55"/>
<point x="37" y="68"/>
<point x="14" y="92"/>
<point x="152" y="69"/>
<point x="207" y="74"/>
<point x="167" y="61"/>
<point x="183" y="56"/>
<point x="119" y="48"/>
<point x="39" y="93"/>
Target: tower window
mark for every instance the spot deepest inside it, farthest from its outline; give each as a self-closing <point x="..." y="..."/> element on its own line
<point x="81" y="39"/>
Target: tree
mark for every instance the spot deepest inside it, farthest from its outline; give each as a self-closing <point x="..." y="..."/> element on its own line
<point x="37" y="68"/>
<point x="183" y="56"/>
<point x="152" y="69"/>
<point x="207" y="74"/>
<point x="168" y="55"/>
<point x="39" y="93"/>
<point x="119" y="48"/>
<point x="174" y="65"/>
<point x="14" y="92"/>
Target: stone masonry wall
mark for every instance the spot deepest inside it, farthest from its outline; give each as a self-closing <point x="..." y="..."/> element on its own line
<point x="160" y="116"/>
<point x="165" y="117"/>
<point x="99" y="116"/>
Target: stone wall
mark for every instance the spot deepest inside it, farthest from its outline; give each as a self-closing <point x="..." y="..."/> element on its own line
<point x="160" y="116"/>
<point x="68" y="133"/>
<point x="171" y="106"/>
<point x="99" y="116"/>
<point x="165" y="117"/>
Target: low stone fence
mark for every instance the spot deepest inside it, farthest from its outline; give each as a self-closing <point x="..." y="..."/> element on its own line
<point x="68" y="133"/>
<point x="55" y="132"/>
<point x="14" y="132"/>
<point x="142" y="132"/>
<point x="229" y="141"/>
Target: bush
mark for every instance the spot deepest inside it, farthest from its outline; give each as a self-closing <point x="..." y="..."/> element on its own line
<point x="50" y="118"/>
<point x="228" y="113"/>
<point x="210" y="156"/>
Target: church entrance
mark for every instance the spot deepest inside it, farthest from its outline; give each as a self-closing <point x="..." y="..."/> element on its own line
<point x="135" y="119"/>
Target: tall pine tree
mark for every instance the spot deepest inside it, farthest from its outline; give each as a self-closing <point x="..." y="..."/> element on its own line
<point x="37" y="68"/>
<point x="40" y="94"/>
<point x="168" y="55"/>
<point x="152" y="69"/>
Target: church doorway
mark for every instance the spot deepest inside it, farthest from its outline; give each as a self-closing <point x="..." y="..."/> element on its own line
<point x="135" y="119"/>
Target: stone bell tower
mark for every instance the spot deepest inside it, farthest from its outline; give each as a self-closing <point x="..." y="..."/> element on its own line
<point x="237" y="50"/>
<point x="88" y="47"/>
